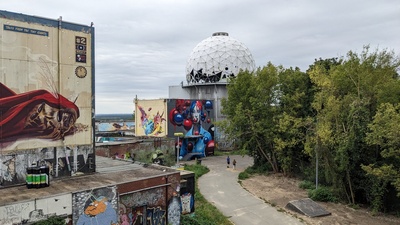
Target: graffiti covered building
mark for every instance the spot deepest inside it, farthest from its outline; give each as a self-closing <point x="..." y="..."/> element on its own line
<point x="211" y="65"/>
<point x="47" y="121"/>
<point x="46" y="97"/>
<point x="120" y="193"/>
<point x="166" y="117"/>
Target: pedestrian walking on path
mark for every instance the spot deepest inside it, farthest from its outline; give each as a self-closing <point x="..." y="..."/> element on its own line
<point x="221" y="187"/>
<point x="234" y="164"/>
<point x="228" y="161"/>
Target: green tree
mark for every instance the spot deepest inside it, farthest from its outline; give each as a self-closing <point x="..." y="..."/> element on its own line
<point x="293" y="118"/>
<point x="385" y="135"/>
<point x="249" y="109"/>
<point x="267" y="115"/>
<point x="348" y="93"/>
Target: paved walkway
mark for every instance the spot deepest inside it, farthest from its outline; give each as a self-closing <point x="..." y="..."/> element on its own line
<point x="220" y="187"/>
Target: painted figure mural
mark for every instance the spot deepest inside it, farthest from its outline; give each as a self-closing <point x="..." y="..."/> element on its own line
<point x="151" y="124"/>
<point x="35" y="114"/>
<point x="190" y="114"/>
<point x="99" y="211"/>
<point x="96" y="206"/>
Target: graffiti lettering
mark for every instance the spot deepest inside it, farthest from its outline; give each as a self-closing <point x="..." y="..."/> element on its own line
<point x="15" y="210"/>
<point x="156" y="216"/>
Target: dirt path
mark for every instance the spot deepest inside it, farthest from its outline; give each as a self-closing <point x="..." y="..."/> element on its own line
<point x="278" y="191"/>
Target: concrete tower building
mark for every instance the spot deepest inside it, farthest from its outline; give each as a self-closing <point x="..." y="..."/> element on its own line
<point x="209" y="68"/>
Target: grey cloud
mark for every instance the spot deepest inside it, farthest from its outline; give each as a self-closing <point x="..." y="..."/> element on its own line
<point x="142" y="46"/>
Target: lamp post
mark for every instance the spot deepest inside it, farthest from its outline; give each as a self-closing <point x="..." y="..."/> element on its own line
<point x="178" y="148"/>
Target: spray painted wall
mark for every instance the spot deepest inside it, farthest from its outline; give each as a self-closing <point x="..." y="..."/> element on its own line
<point x="166" y="117"/>
<point x="155" y="201"/>
<point x="46" y="94"/>
<point x="95" y="205"/>
<point x="150" y="118"/>
<point x="37" y="210"/>
<point x="193" y="118"/>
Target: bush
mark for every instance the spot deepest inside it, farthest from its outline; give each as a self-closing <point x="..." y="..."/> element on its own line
<point x="243" y="175"/>
<point x="306" y="185"/>
<point x="262" y="169"/>
<point x="322" y="194"/>
<point x="52" y="221"/>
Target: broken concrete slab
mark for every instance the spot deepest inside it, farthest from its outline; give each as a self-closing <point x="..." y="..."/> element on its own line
<point x="307" y="207"/>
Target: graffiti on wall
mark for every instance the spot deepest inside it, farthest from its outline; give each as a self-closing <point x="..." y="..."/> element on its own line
<point x="142" y="215"/>
<point x="36" y="114"/>
<point x="155" y="216"/>
<point x="36" y="210"/>
<point x="191" y="114"/>
<point x="187" y="203"/>
<point x="132" y="216"/>
<point x="152" y="197"/>
<point x="134" y="207"/>
<point x="151" y="118"/>
<point x="61" y="161"/>
<point x="174" y="211"/>
<point x="14" y="213"/>
<point x="40" y="102"/>
<point x="97" y="206"/>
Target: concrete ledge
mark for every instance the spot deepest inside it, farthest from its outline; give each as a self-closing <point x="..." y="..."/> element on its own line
<point x="307" y="207"/>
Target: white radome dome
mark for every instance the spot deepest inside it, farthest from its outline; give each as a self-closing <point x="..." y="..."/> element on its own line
<point x="217" y="58"/>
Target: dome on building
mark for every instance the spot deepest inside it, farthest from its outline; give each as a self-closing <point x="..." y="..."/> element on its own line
<point x="217" y="58"/>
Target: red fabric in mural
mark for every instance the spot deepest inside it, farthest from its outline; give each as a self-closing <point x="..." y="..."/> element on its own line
<point x="16" y="109"/>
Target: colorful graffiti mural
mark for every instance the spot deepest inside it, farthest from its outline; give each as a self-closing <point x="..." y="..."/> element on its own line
<point x="151" y="125"/>
<point x="132" y="216"/>
<point x="156" y="216"/>
<point x="35" y="114"/>
<point x="43" y="112"/>
<point x="187" y="203"/>
<point x="97" y="206"/>
<point x="151" y="118"/>
<point x="61" y="161"/>
<point x="190" y="114"/>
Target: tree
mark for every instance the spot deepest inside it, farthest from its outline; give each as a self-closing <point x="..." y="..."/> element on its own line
<point x="266" y="114"/>
<point x="385" y="135"/>
<point x="250" y="108"/>
<point x="346" y="99"/>
<point x="293" y="118"/>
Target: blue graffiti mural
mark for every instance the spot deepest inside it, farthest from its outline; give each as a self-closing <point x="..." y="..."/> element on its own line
<point x="156" y="216"/>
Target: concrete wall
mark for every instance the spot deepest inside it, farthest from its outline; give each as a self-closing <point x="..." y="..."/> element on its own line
<point x="62" y="161"/>
<point x="121" y="150"/>
<point x="36" y="210"/>
<point x="151" y="200"/>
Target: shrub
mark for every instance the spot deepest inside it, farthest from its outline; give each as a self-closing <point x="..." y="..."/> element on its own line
<point x="243" y="175"/>
<point x="52" y="221"/>
<point x="322" y="194"/>
<point x="306" y="185"/>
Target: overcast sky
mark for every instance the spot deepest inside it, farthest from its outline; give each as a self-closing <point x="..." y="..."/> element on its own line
<point x="142" y="46"/>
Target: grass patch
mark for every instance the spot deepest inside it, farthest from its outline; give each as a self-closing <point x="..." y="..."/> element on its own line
<point x="205" y="212"/>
